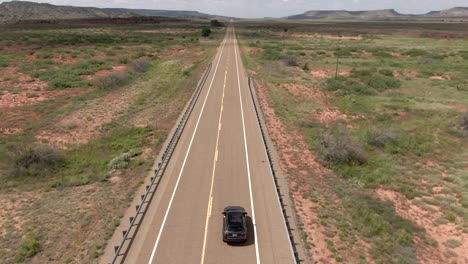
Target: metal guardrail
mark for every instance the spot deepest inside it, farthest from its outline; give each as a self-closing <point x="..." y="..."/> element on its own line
<point x="275" y="179"/>
<point x="150" y="191"/>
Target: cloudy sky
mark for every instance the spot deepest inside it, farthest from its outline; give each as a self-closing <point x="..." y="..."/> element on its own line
<point x="268" y="8"/>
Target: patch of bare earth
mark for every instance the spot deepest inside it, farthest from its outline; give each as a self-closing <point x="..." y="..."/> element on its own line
<point x="328" y="114"/>
<point x="86" y="123"/>
<point x="321" y="36"/>
<point x="325" y="73"/>
<point x="168" y="31"/>
<point x="114" y="69"/>
<point x="253" y="50"/>
<point x="303" y="170"/>
<point x="441" y="78"/>
<point x="427" y="220"/>
<point x="19" y="89"/>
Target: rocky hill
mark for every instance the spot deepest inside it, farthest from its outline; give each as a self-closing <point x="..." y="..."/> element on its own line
<point x="377" y="14"/>
<point x="23" y="10"/>
<point x="343" y="14"/>
<point x="162" y="13"/>
<point x="452" y="12"/>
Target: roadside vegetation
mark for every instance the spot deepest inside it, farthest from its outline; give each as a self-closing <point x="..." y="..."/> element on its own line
<point x="84" y="111"/>
<point x="383" y="110"/>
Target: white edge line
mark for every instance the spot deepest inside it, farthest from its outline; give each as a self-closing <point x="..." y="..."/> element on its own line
<point x="185" y="159"/>
<point x="277" y="199"/>
<point x="247" y="158"/>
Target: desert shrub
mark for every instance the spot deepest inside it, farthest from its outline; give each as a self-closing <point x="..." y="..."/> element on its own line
<point x="112" y="80"/>
<point x="386" y="72"/>
<point x="291" y="61"/>
<point x="205" y="32"/>
<point x="346" y="85"/>
<point x="69" y="76"/>
<point x="381" y="54"/>
<point x="381" y="83"/>
<point x="29" y="247"/>
<point x="123" y="60"/>
<point x="465" y="121"/>
<point x="44" y="54"/>
<point x="35" y="160"/>
<point x="216" y="23"/>
<point x="306" y="67"/>
<point x="337" y="147"/>
<point x="415" y="53"/>
<point x="120" y="162"/>
<point x="464" y="54"/>
<point x="4" y="62"/>
<point x="140" y="65"/>
<point x="382" y="138"/>
<point x="271" y="54"/>
<point x="345" y="51"/>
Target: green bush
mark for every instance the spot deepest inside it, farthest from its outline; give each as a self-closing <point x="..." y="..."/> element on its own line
<point x="29" y="247"/>
<point x="216" y="23"/>
<point x="381" y="54"/>
<point x="44" y="54"/>
<point x="346" y="85"/>
<point x="4" y="62"/>
<point x="271" y="54"/>
<point x="69" y="76"/>
<point x="205" y="32"/>
<point x="123" y="60"/>
<point x="386" y="72"/>
<point x="120" y="162"/>
<point x="306" y="67"/>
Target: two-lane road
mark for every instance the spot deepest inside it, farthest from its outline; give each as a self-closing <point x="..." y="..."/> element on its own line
<point x="220" y="160"/>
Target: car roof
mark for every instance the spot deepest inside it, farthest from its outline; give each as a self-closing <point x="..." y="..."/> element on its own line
<point x="234" y="209"/>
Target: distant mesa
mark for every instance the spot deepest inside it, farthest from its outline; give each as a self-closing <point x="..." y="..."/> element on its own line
<point x="377" y="14"/>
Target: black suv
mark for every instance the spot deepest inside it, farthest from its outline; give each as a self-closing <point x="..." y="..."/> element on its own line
<point x="234" y="224"/>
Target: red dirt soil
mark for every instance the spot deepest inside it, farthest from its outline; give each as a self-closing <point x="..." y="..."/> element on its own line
<point x="426" y="219"/>
<point x="26" y="90"/>
<point x="325" y="73"/>
<point x="328" y="114"/>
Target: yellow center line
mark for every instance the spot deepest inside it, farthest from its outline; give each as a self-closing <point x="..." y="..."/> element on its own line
<point x="210" y="200"/>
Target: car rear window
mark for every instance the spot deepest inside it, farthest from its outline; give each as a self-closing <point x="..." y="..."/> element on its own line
<point x="235" y="221"/>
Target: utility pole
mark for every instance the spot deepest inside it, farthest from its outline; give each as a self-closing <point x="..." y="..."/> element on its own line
<point x="336" y="71"/>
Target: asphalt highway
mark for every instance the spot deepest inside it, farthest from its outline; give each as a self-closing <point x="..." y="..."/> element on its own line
<point x="219" y="161"/>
